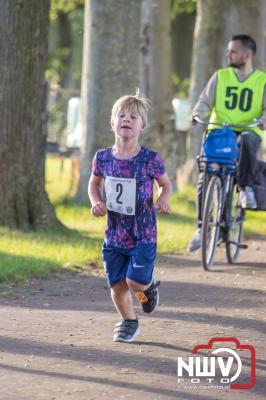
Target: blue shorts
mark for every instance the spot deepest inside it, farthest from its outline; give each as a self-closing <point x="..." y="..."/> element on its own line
<point x="136" y="263"/>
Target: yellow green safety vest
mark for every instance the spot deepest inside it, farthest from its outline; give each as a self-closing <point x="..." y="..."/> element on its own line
<point x="236" y="101"/>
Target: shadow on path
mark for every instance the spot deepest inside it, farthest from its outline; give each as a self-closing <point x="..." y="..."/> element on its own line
<point x="175" y="394"/>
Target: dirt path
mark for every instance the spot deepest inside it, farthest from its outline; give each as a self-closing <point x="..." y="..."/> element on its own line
<point x="55" y="340"/>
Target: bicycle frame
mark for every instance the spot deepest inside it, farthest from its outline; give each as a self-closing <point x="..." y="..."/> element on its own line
<point x="216" y="221"/>
<point x="219" y="210"/>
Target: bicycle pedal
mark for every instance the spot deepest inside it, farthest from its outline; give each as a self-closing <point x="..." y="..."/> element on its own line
<point x="240" y="246"/>
<point x="243" y="246"/>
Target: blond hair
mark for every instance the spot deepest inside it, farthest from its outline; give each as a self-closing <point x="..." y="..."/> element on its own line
<point x="133" y="103"/>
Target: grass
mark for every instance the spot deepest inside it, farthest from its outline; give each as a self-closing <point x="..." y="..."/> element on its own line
<point x="25" y="255"/>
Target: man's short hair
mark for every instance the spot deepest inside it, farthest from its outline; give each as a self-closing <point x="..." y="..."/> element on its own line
<point x="247" y="41"/>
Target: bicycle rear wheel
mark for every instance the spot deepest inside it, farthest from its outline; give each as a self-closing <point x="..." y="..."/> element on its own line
<point x="211" y="221"/>
<point x="235" y="220"/>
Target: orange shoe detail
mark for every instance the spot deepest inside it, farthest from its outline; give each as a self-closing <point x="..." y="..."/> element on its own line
<point x="141" y="297"/>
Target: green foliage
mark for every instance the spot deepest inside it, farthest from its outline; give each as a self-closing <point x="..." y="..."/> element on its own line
<point x="77" y="20"/>
<point x="57" y="65"/>
<point x="182" y="6"/>
<point x="60" y="57"/>
<point x="64" y="6"/>
<point x="255" y="223"/>
<point x="181" y="86"/>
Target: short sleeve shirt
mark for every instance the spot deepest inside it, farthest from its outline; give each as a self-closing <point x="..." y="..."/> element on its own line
<point x="129" y="189"/>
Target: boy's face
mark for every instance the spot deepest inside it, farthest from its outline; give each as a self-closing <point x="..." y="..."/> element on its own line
<point x="128" y="123"/>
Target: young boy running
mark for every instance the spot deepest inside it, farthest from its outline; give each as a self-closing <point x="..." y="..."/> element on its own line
<point x="127" y="171"/>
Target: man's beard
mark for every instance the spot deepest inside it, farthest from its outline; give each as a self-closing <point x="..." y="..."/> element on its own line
<point x="237" y="65"/>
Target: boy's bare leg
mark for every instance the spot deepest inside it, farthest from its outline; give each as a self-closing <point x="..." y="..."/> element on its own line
<point x="147" y="295"/>
<point x="122" y="300"/>
<point x="137" y="287"/>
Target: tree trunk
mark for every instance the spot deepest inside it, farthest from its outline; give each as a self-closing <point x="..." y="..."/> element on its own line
<point x="23" y="53"/>
<point x="216" y="22"/>
<point x="208" y="48"/>
<point x="65" y="47"/>
<point x="182" y="28"/>
<point x="249" y="17"/>
<point x="110" y="70"/>
<point x="155" y="80"/>
<point x="65" y="44"/>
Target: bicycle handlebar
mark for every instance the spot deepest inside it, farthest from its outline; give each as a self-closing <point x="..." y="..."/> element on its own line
<point x="257" y="122"/>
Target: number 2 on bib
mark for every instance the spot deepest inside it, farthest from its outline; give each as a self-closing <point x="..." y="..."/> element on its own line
<point x="120" y="195"/>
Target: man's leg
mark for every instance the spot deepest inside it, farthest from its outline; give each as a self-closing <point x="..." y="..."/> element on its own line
<point x="199" y="200"/>
<point x="195" y="244"/>
<point x="249" y="146"/>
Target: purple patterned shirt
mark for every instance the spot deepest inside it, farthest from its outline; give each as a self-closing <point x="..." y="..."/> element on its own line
<point x="123" y="230"/>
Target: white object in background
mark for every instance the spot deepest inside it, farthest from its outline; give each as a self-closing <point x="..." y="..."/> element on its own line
<point x="182" y="110"/>
<point x="74" y="127"/>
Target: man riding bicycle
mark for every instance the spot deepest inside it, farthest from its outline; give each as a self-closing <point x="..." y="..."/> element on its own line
<point x="235" y="94"/>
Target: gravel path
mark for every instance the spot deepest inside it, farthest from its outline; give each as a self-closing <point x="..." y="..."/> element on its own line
<point x="56" y="335"/>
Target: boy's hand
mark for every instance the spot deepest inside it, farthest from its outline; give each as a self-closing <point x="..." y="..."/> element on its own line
<point x="98" y="209"/>
<point x="162" y="206"/>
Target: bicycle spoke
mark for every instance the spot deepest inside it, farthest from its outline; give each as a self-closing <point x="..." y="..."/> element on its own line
<point x="235" y="217"/>
<point x="211" y="220"/>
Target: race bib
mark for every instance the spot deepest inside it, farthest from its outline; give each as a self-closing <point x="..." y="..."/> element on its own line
<point x="120" y="194"/>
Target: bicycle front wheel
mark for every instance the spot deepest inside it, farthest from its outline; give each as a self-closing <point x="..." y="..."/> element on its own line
<point x="211" y="221"/>
<point x="235" y="220"/>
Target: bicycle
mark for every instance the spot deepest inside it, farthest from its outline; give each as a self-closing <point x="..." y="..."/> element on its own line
<point x="223" y="216"/>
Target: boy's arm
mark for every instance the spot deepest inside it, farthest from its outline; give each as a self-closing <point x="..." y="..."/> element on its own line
<point x="164" y="194"/>
<point x="98" y="207"/>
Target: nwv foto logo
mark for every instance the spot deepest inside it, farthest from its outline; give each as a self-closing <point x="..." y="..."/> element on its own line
<point x="223" y="364"/>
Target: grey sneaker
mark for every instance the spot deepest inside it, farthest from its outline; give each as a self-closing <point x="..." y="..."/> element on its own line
<point x="126" y="330"/>
<point x="195" y="244"/>
<point x="247" y="198"/>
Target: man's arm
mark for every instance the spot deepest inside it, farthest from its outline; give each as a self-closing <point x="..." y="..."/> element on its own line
<point x="204" y="105"/>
